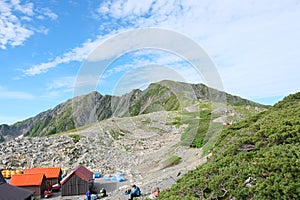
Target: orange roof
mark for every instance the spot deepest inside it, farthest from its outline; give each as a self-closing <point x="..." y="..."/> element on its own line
<point x="26" y="179"/>
<point x="51" y="172"/>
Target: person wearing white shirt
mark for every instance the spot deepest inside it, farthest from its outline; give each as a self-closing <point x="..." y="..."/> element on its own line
<point x="154" y="193"/>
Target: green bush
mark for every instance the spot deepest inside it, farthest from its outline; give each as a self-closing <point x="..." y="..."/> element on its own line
<point x="174" y="160"/>
<point x="76" y="137"/>
<point x="257" y="158"/>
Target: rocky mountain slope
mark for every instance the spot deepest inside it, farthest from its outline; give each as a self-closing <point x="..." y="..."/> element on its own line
<point x="142" y="134"/>
<point x="149" y="148"/>
<point x="255" y="157"/>
<point x="140" y="147"/>
<point x="93" y="107"/>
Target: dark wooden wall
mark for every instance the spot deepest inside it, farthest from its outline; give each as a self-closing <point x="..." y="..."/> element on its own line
<point x="74" y="186"/>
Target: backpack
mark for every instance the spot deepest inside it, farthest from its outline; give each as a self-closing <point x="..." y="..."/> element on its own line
<point x="138" y="191"/>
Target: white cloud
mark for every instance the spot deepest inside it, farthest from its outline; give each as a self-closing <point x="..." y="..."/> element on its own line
<point x="6" y="94"/>
<point x="48" y="13"/>
<point x="142" y="13"/>
<point x="256" y="53"/>
<point x="12" y="31"/>
<point x="76" y="54"/>
<point x="159" y="39"/>
<point x="253" y="43"/>
<point x="139" y="68"/>
<point x="17" y="22"/>
<point x="59" y="87"/>
<point x="129" y="11"/>
<point x="62" y="83"/>
<point x="124" y="9"/>
<point x="26" y="8"/>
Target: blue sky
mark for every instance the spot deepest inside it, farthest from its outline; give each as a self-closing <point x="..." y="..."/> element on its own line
<point x="44" y="45"/>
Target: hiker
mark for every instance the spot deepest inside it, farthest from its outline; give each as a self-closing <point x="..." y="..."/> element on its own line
<point x="135" y="192"/>
<point x="154" y="193"/>
<point x="88" y="195"/>
<point x="103" y="193"/>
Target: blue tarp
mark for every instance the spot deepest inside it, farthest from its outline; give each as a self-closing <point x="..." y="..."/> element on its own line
<point x="97" y="175"/>
<point x="118" y="178"/>
<point x="122" y="174"/>
<point x="121" y="179"/>
<point x="106" y="178"/>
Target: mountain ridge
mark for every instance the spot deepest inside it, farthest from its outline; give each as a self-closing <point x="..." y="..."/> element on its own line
<point x="85" y="109"/>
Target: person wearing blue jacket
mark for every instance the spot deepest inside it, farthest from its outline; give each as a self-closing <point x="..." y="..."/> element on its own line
<point x="88" y="195"/>
<point x="135" y="192"/>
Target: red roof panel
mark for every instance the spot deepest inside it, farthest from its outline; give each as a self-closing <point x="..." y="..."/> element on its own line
<point x="51" y="172"/>
<point x="26" y="179"/>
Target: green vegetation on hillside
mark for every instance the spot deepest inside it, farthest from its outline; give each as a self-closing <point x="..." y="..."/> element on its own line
<point x="76" y="137"/>
<point x="155" y="98"/>
<point x="198" y="124"/>
<point x="38" y="127"/>
<point x="173" y="160"/>
<point x="257" y="158"/>
<point x="50" y="125"/>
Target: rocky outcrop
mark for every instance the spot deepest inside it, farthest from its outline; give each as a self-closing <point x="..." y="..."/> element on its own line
<point x="107" y="146"/>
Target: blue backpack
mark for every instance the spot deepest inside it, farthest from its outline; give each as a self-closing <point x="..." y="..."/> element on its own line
<point x="138" y="191"/>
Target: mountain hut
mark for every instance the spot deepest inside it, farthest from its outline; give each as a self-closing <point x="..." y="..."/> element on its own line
<point x="53" y="174"/>
<point x="77" y="182"/>
<point x="33" y="182"/>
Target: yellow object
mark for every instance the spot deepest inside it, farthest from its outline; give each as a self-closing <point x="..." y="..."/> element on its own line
<point x="3" y="172"/>
<point x="9" y="173"/>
